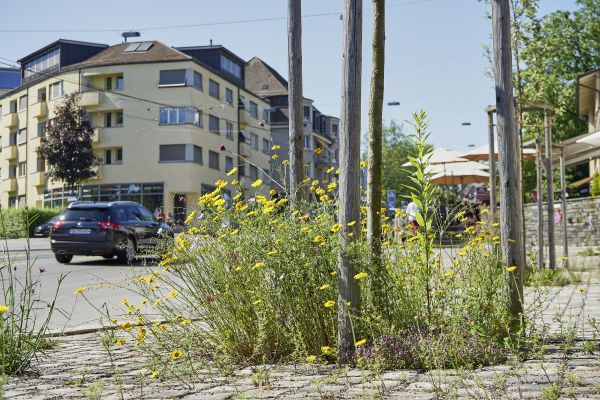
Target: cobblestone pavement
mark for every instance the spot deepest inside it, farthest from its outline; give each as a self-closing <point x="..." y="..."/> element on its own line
<point x="78" y="367"/>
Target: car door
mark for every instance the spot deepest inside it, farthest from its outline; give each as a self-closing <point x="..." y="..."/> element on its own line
<point x="151" y="226"/>
<point x="136" y="224"/>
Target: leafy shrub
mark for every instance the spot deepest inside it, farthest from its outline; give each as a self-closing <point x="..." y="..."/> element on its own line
<point x="20" y="222"/>
<point x="21" y="328"/>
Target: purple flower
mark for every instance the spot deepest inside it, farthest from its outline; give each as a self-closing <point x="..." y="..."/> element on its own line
<point x="233" y="255"/>
<point x="221" y="147"/>
<point x="42" y="270"/>
<point x="316" y="249"/>
<point x="209" y="297"/>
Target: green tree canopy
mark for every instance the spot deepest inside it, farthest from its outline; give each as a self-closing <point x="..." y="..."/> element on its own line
<point x="67" y="144"/>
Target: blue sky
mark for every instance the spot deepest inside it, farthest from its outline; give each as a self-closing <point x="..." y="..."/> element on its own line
<point x="434" y="48"/>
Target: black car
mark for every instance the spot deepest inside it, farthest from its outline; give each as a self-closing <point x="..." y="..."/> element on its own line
<point x="119" y="228"/>
<point x="43" y="230"/>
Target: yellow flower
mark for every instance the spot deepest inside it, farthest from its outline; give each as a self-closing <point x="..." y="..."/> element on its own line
<point x="329" y="303"/>
<point x="333" y="273"/>
<point x="232" y="171"/>
<point x="258" y="265"/>
<point x="257" y="302"/>
<point x="318" y="151"/>
<point x="360" y="275"/>
<point x="190" y="218"/>
<point x="286" y="162"/>
<point x="186" y="322"/>
<point x="275" y="148"/>
<point x="274" y="157"/>
<point x="337" y="171"/>
<point x="238" y="269"/>
<point x="351" y="223"/>
<point x="449" y="273"/>
<point x="273" y="252"/>
<point x="325" y="286"/>
<point x="311" y="359"/>
<point x="257" y="183"/>
<point x="511" y="269"/>
<point x="120" y="342"/>
<point x="319" y="239"/>
<point x="330" y="170"/>
<point x="235" y="182"/>
<point x="363" y="164"/>
<point x="3" y="309"/>
<point x="234" y="232"/>
<point x="176" y="354"/>
<point x="326" y="350"/>
<point x="360" y="343"/>
<point x="485" y="211"/>
<point x="581" y="289"/>
<point x="564" y="258"/>
<point x="126" y="326"/>
<point x="336" y="228"/>
<point x="495" y="224"/>
<point x="154" y="375"/>
<point x="79" y="290"/>
<point x="173" y="293"/>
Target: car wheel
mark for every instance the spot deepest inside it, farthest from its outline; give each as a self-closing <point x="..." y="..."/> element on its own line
<point x="126" y="250"/>
<point x="63" y="258"/>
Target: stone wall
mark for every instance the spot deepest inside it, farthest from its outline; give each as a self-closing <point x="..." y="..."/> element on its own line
<point x="580" y="232"/>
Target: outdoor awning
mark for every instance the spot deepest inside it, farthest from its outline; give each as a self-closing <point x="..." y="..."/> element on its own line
<point x="481" y="153"/>
<point x="592" y="139"/>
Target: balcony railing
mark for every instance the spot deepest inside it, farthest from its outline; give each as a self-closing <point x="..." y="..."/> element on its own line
<point x="10" y="120"/>
<point x="10" y="152"/>
<point x="9" y="185"/>
<point x="38" y="179"/>
<point x="39" y="109"/>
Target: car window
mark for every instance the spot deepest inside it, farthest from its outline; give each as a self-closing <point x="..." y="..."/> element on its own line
<point x="145" y="214"/>
<point x="133" y="214"/>
<point x="85" y="214"/>
<point x="120" y="214"/>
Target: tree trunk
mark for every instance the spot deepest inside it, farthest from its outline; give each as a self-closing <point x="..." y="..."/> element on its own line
<point x="295" y="100"/>
<point x="511" y="222"/>
<point x="375" y="153"/>
<point x="349" y="185"/>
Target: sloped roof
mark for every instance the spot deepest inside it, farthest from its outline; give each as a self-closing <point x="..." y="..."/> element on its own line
<point x="259" y="74"/>
<point x="116" y="55"/>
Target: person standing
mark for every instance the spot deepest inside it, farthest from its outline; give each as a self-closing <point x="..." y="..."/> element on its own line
<point x="412" y="210"/>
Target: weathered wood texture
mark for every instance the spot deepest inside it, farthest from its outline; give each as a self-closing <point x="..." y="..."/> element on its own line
<point x="549" y="191"/>
<point x="295" y="99"/>
<point x="492" y="161"/>
<point x="511" y="219"/>
<point x="349" y="184"/>
<point x="540" y="200"/>
<point x="374" y="152"/>
<point x="563" y="198"/>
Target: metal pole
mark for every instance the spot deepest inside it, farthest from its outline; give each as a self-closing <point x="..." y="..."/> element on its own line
<point x="563" y="192"/>
<point x="492" y="160"/>
<point x="540" y="200"/>
<point x="549" y="192"/>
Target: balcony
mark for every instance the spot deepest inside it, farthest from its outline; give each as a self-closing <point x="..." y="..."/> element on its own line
<point x="244" y="150"/>
<point x="10" y="152"/>
<point x="90" y="98"/>
<point x="38" y="179"/>
<point x="39" y="109"/>
<point x="9" y="185"/>
<point x="10" y="120"/>
<point x="96" y="137"/>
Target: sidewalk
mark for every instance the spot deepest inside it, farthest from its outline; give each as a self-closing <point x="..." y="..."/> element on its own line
<point x="79" y="362"/>
<point x="35" y="244"/>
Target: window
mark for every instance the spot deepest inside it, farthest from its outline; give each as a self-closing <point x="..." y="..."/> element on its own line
<point x="213" y="159"/>
<point x="242" y="102"/>
<point x="227" y="64"/>
<point x="56" y="90"/>
<point x="179" y="116"/>
<point x="12" y="138"/>
<point x="254" y="141"/>
<point x="13" y="106"/>
<point x="42" y="62"/>
<point x="41" y="95"/>
<point x="334" y="130"/>
<point x="265" y="115"/>
<point x="119" y="118"/>
<point x="40" y="164"/>
<point x="229" y="96"/>
<point x="108" y="120"/>
<point x="12" y="202"/>
<point x="22" y="169"/>
<point x="119" y="156"/>
<point x="172" y="77"/>
<point x="22" y="103"/>
<point x="213" y="89"/>
<point x="12" y="171"/>
<point x="120" y="84"/>
<point x="198" y="80"/>
<point x="308" y="142"/>
<point x="213" y="124"/>
<point x="228" y="163"/>
<point x="253" y="172"/>
<point x="242" y="169"/>
<point x="172" y="152"/>
<point x="22" y="137"/>
<point x="307" y="113"/>
<point x="266" y="146"/>
<point x="109" y="83"/>
<point x="198" y="155"/>
<point x="108" y="156"/>
<point x="229" y="130"/>
<point x="253" y="109"/>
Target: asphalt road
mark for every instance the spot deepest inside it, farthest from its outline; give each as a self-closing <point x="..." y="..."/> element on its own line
<point x="107" y="282"/>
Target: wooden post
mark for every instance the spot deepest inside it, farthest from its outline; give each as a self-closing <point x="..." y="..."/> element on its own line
<point x="511" y="219"/>
<point x="549" y="191"/>
<point x="563" y="192"/>
<point x="349" y="185"/>
<point x="540" y="200"/>
<point x="492" y="161"/>
<point x="374" y="154"/>
<point x="295" y="100"/>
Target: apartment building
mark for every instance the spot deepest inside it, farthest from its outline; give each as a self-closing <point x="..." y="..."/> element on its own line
<point x="161" y="116"/>
<point x="321" y="139"/>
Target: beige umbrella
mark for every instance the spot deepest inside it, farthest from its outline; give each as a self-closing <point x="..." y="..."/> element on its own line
<point x="441" y="156"/>
<point x="482" y="153"/>
<point x="460" y="176"/>
<point x="464" y="165"/>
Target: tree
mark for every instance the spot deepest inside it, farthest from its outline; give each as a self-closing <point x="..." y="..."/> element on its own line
<point x="396" y="148"/>
<point x="511" y="222"/>
<point x="67" y="145"/>
<point x="375" y="149"/>
<point x="349" y="184"/>
<point x="295" y="99"/>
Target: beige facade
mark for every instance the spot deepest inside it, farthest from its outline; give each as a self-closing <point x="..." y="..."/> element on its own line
<point x="140" y="124"/>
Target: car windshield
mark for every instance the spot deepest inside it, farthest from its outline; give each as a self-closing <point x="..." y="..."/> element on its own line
<point x="85" y="214"/>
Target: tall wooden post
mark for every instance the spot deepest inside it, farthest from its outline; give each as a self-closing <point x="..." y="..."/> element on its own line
<point x="511" y="219"/>
<point x="563" y="192"/>
<point x="549" y="191"/>
<point x="492" y="161"/>
<point x="540" y="200"/>
<point x="374" y="153"/>
<point x="349" y="185"/>
<point x="295" y="100"/>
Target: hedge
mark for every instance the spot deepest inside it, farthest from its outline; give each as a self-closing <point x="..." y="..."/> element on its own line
<point x="14" y="221"/>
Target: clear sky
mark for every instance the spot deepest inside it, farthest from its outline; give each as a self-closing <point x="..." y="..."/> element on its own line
<point x="434" y="48"/>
